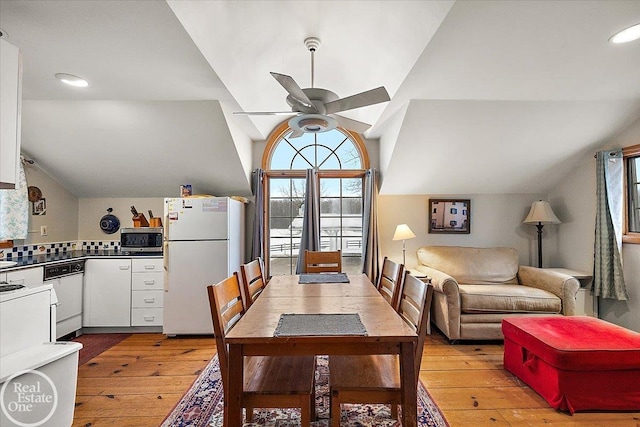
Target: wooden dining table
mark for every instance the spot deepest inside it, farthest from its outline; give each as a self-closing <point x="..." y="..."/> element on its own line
<point x="386" y="333"/>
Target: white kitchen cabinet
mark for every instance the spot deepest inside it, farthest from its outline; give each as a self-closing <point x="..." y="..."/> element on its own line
<point x="10" y="106"/>
<point x="107" y="293"/>
<point x="147" y="291"/>
<point x="27" y="276"/>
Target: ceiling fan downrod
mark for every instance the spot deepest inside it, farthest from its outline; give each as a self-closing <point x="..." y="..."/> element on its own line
<point x="312" y="43"/>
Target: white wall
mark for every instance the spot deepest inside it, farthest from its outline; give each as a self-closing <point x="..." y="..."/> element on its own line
<point x="496" y="220"/>
<point x="92" y="209"/>
<point x="576" y="196"/>
<point x="61" y="217"/>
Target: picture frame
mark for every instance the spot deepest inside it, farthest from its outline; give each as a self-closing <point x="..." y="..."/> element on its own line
<point x="450" y="216"/>
<point x="39" y="207"/>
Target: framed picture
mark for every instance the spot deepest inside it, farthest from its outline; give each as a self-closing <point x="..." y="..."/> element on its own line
<point x="451" y="216"/>
<point x="39" y="207"/>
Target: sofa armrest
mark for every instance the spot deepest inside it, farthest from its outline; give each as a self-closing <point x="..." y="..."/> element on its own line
<point x="446" y="301"/>
<point x="562" y="285"/>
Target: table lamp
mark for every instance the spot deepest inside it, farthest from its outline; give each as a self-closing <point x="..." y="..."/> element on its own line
<point x="541" y="214"/>
<point x="403" y="232"/>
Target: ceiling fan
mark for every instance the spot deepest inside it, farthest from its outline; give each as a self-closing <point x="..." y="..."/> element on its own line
<point x="316" y="108"/>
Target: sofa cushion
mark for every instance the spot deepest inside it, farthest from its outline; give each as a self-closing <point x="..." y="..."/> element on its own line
<point x="507" y="299"/>
<point x="476" y="266"/>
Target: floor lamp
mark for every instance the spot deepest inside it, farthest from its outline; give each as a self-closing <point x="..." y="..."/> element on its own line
<point x="403" y="232"/>
<point x="540" y="215"/>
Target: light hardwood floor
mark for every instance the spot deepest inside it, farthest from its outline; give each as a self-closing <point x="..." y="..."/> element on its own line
<point x="138" y="382"/>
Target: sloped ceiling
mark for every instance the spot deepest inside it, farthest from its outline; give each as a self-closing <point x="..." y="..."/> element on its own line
<point x="487" y="96"/>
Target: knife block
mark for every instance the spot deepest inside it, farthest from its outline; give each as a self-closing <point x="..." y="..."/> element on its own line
<point x="140" y="221"/>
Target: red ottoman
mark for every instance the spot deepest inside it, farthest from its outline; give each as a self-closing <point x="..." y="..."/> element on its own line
<point x="575" y="362"/>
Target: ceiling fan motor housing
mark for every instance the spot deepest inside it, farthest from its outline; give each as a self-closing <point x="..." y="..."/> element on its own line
<point x="312" y="123"/>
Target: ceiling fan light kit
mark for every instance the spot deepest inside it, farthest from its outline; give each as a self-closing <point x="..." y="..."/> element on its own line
<point x="315" y="108"/>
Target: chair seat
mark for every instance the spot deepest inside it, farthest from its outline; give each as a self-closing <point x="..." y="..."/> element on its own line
<point x="366" y="372"/>
<point x="279" y="375"/>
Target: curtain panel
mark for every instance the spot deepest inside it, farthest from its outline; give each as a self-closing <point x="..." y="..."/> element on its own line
<point x="310" y="239"/>
<point x="257" y="187"/>
<point x="608" y="278"/>
<point x="370" y="236"/>
<point x="14" y="210"/>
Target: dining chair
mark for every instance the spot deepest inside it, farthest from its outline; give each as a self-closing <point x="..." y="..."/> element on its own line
<point x="269" y="381"/>
<point x="390" y="282"/>
<point x="376" y="378"/>
<point x="322" y="261"/>
<point x="252" y="281"/>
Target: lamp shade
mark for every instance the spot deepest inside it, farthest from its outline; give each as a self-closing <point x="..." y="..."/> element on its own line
<point x="541" y="212"/>
<point x="403" y="232"/>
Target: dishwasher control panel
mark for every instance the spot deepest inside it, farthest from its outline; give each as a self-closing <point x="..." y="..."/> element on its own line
<point x="63" y="269"/>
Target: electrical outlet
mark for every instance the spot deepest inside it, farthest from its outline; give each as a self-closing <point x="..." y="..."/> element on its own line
<point x="43" y="230"/>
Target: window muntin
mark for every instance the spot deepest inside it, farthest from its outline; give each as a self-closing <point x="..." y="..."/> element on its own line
<point x="341" y="159"/>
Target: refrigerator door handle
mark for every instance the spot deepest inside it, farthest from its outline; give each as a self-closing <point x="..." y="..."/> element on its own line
<point x="165" y="259"/>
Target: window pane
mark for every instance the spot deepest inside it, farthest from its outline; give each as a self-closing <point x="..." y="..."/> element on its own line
<point x="352" y="187"/>
<point x="349" y="155"/>
<point x="330" y="187"/>
<point x="633" y="166"/>
<point x="352" y="206"/>
<point x="330" y="207"/>
<point x="282" y="155"/>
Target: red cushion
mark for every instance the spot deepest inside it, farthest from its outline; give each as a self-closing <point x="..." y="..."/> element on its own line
<point x="576" y="343"/>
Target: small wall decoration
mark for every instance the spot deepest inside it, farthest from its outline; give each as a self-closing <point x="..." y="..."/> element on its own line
<point x="451" y="216"/>
<point x="39" y="207"/>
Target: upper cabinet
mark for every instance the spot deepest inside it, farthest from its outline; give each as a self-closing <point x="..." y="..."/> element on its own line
<point x="10" y="103"/>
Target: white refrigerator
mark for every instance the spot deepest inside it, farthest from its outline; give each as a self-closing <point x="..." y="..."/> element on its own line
<point x="203" y="244"/>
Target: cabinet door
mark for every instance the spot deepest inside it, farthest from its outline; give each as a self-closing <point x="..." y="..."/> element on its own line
<point x="27" y="277"/>
<point x="107" y="296"/>
<point x="10" y="100"/>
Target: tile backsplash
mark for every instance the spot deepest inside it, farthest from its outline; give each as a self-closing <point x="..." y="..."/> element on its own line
<point x="56" y="248"/>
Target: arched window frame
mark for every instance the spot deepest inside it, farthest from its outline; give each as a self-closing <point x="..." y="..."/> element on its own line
<point x="272" y="142"/>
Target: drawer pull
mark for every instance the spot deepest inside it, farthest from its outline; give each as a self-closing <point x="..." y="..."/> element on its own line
<point x="149" y="300"/>
<point x="124" y="267"/>
<point x="149" y="267"/>
<point x="149" y="318"/>
<point x="149" y="282"/>
<point x="17" y="282"/>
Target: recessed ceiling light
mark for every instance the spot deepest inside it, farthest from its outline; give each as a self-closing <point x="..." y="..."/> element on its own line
<point x="72" y="80"/>
<point x="627" y="35"/>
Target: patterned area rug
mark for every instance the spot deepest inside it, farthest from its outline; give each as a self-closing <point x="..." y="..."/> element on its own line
<point x="202" y="406"/>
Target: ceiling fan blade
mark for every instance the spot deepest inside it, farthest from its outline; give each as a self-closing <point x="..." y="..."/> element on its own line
<point x="370" y="97"/>
<point x="294" y="90"/>
<point x="296" y="133"/>
<point x="352" y="125"/>
<point x="263" y="113"/>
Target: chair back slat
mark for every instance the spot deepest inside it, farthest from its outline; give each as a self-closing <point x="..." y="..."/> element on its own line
<point x="225" y="302"/>
<point x="390" y="282"/>
<point x="252" y="281"/>
<point x="414" y="306"/>
<point x="322" y="261"/>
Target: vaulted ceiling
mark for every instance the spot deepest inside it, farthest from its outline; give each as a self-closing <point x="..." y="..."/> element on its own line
<point x="487" y="96"/>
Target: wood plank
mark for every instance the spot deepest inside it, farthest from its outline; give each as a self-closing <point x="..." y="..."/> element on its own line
<point x="462" y="378"/>
<point x="549" y="416"/>
<point x="120" y="386"/>
<point x="140" y="368"/>
<point x="455" y="363"/>
<point x="472" y="398"/>
<point x="477" y="418"/>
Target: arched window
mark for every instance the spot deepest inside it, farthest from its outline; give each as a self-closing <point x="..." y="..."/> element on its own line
<point x="341" y="159"/>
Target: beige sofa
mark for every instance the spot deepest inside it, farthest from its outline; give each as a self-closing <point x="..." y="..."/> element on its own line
<point x="475" y="288"/>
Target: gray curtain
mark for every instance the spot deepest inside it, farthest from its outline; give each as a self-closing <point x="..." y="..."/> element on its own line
<point x="257" y="245"/>
<point x="608" y="279"/>
<point x="311" y="221"/>
<point x="370" y="237"/>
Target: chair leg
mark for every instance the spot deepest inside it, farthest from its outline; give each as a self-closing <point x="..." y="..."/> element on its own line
<point x="249" y="414"/>
<point x="394" y="411"/>
<point x="312" y="406"/>
<point x="305" y="414"/>
<point x="334" y="408"/>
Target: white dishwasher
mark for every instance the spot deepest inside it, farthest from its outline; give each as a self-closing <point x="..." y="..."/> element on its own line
<point x="67" y="279"/>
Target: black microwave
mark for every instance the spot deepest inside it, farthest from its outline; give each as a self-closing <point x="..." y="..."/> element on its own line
<point x="141" y="239"/>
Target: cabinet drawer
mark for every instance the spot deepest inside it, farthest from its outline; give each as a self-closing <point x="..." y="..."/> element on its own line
<point x="146" y="317"/>
<point x="145" y="281"/>
<point x="146" y="298"/>
<point x="146" y="265"/>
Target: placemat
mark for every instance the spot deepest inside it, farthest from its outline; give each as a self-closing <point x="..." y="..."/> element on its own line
<point x="323" y="278"/>
<point x="319" y="324"/>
